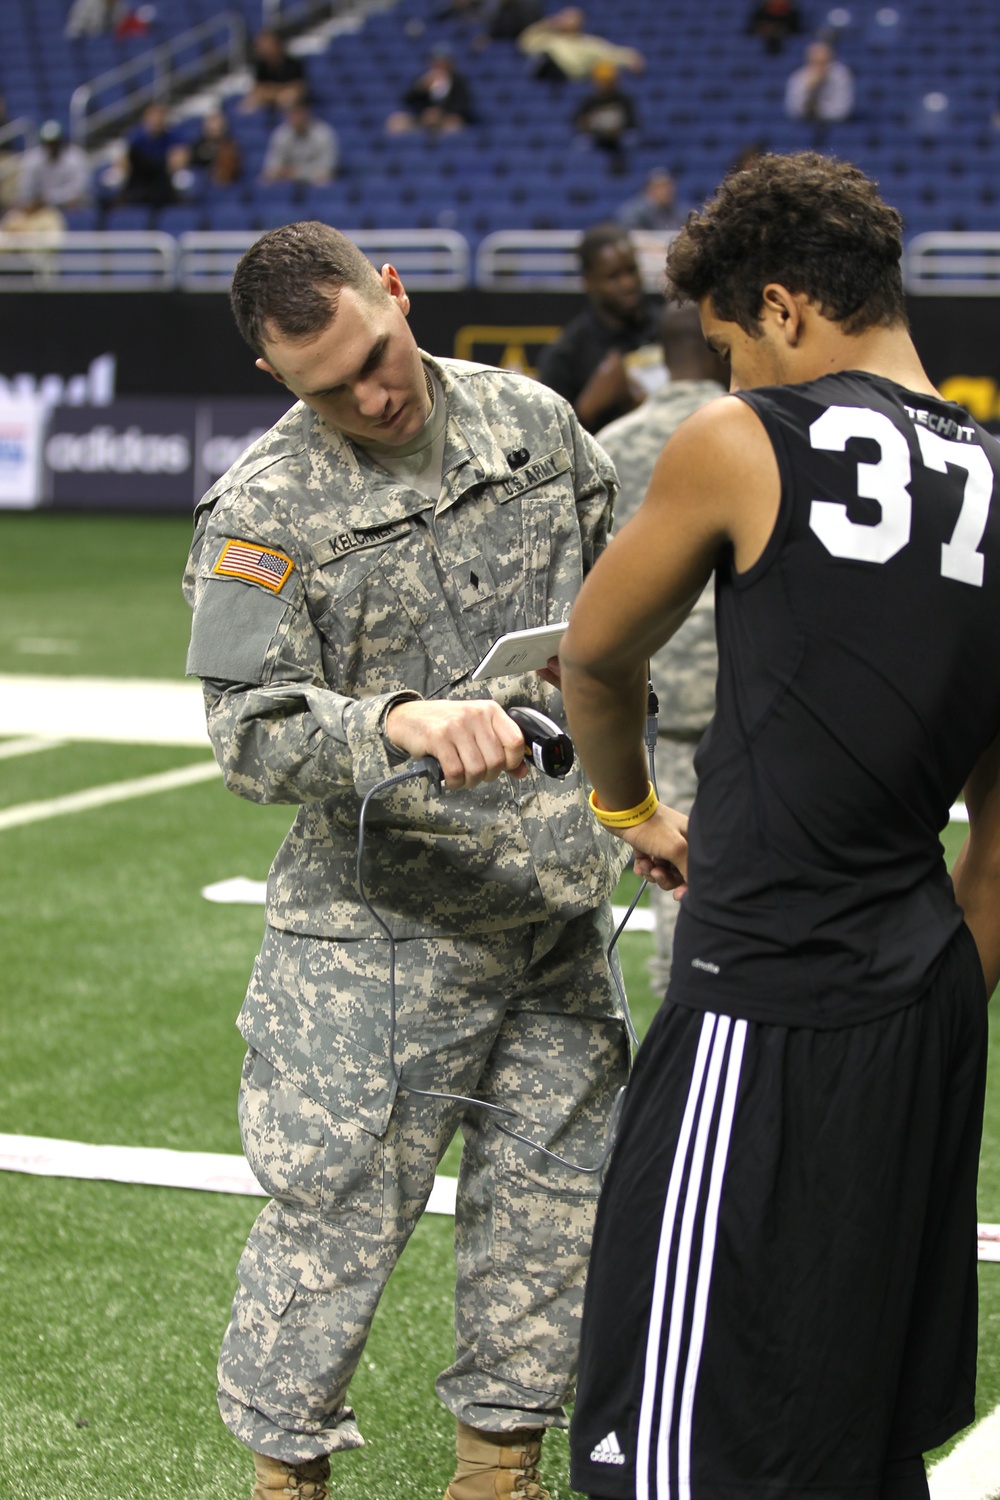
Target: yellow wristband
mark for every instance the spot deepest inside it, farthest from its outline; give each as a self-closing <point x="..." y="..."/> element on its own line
<point x="628" y="817"/>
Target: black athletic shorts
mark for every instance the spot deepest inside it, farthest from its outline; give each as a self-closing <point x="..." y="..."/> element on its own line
<point x="782" y="1293"/>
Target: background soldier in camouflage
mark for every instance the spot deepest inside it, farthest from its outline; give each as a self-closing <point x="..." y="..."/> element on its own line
<point x="684" y="671"/>
<point x="346" y="576"/>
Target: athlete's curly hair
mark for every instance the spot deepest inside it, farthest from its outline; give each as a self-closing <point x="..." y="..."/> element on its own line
<point x="809" y="222"/>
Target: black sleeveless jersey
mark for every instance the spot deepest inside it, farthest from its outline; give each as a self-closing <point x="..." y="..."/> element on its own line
<point x="859" y="682"/>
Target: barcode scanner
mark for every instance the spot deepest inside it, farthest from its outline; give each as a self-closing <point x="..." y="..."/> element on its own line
<point x="549" y="748"/>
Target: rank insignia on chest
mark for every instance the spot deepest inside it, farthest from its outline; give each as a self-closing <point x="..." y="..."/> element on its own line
<point x="254" y="564"/>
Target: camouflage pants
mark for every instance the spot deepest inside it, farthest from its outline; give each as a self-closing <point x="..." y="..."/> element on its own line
<point x="677" y="785"/>
<point x="528" y="1018"/>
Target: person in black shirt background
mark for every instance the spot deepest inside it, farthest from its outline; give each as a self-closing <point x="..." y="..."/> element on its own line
<point x="156" y="153"/>
<point x="438" y="101"/>
<point x="588" y="361"/>
<point x="774" y="21"/>
<point x="606" y="115"/>
<point x="782" y="1292"/>
<point x="279" y="79"/>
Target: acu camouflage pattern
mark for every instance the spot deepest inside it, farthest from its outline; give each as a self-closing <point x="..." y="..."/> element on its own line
<point x="497" y="897"/>
<point x="392" y="597"/>
<point x="525" y="1018"/>
<point x="684" y="670"/>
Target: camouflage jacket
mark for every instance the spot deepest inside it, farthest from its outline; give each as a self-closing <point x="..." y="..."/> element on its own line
<point x="324" y="591"/>
<point x="684" y="670"/>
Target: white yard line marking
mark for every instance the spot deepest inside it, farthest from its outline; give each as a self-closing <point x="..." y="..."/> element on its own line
<point x="208" y="1171"/>
<point x="27" y="746"/>
<point x="132" y="711"/>
<point x="101" y="796"/>
<point x="239" y="890"/>
<point x="971" y="1470"/>
<point x="45" y="645"/>
<point x="641" y="919"/>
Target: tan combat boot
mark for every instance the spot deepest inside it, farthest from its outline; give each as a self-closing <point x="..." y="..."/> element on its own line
<point x="305" y="1481"/>
<point x="497" y="1465"/>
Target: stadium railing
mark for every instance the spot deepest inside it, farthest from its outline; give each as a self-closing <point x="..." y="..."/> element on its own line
<point x="22" y="129"/>
<point x="940" y="264"/>
<point x="290" y="17"/>
<point x="954" y="264"/>
<point x="149" y="260"/>
<point x="216" y="46"/>
<point x="185" y="62"/>
<point x="545" y="260"/>
<point x="16" y="136"/>
<point x="426" y="259"/>
<point x="88" y="261"/>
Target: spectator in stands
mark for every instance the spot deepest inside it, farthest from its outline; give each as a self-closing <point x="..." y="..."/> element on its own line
<point x="156" y="154"/>
<point x="134" y="21"/>
<point x="510" y="17"/>
<point x="301" y="149"/>
<point x="606" y="115"/>
<point x="10" y="163"/>
<point x="505" y="20"/>
<point x="279" y="80"/>
<point x="215" y="152"/>
<point x="589" y="361"/>
<point x="774" y="21"/>
<point x="55" y="173"/>
<point x="438" y="101"/>
<point x="656" y="207"/>
<point x="460" y="10"/>
<point x="33" y="218"/>
<point x="560" y="48"/>
<point x="91" y="17"/>
<point x="822" y="90"/>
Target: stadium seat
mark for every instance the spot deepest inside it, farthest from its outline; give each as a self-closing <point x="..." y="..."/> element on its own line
<point x="707" y="91"/>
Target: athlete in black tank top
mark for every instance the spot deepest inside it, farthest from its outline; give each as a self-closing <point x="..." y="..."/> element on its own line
<point x="782" y="1293"/>
<point x="859" y="680"/>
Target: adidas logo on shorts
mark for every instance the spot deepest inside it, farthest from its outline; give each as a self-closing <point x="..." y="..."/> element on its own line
<point x="608" y="1451"/>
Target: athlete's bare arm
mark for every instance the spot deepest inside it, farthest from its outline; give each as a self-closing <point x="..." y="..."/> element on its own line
<point x="715" y="483"/>
<point x="976" y="874"/>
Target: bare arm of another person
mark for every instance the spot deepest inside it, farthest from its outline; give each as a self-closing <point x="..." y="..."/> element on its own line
<point x="976" y="875"/>
<point x="607" y="387"/>
<point x="716" y="483"/>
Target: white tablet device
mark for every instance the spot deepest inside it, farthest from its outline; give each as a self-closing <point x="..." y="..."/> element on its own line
<point x="521" y="651"/>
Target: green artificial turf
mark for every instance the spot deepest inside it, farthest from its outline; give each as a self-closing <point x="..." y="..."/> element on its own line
<point x="121" y="986"/>
<point x="93" y="595"/>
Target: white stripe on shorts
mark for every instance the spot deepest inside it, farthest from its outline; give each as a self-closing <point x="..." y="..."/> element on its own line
<point x="693" y="1267"/>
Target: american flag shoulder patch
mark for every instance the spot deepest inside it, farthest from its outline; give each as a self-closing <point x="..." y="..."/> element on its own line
<point x="254" y="564"/>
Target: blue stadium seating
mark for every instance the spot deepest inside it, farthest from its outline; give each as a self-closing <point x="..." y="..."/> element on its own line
<point x="708" y="91"/>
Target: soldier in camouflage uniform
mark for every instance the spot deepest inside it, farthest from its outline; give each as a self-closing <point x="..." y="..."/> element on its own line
<point x="683" y="672"/>
<point x="346" y="576"/>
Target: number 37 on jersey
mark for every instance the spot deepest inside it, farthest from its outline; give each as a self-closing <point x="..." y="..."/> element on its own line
<point x="888" y="482"/>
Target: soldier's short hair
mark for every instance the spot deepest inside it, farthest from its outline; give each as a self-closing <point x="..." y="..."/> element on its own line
<point x="814" y="224"/>
<point x="289" y="280"/>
